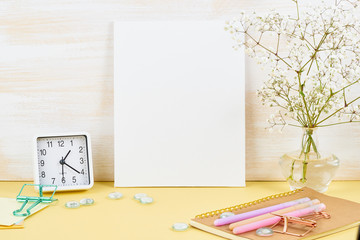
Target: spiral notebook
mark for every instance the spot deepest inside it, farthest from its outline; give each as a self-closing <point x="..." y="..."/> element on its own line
<point x="344" y="215"/>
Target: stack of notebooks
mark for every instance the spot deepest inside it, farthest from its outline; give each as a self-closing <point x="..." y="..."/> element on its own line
<point x="344" y="214"/>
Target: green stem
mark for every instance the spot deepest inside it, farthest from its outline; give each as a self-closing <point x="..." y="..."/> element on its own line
<point x="308" y="145"/>
<point x="328" y="99"/>
<point x="268" y="50"/>
<point x="297" y="9"/>
<point x="304" y="101"/>
<point x="293" y="125"/>
<point x="337" y="111"/>
<point x="332" y="124"/>
<point x="315" y="148"/>
<point x="291" y="177"/>
<point x="303" y="179"/>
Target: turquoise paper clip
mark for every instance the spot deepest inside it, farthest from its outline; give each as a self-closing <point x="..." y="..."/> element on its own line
<point x="36" y="200"/>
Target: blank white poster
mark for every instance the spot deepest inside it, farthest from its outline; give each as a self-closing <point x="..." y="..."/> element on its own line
<point x="179" y="94"/>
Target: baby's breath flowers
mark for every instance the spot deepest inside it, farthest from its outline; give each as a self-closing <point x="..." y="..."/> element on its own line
<point x="314" y="59"/>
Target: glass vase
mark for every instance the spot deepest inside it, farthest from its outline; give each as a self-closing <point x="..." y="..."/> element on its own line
<point x="308" y="167"/>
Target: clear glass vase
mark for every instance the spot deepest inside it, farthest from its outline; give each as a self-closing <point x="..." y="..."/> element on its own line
<point x="308" y="167"/>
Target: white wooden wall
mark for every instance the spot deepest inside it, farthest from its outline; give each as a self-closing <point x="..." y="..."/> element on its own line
<point x="56" y="75"/>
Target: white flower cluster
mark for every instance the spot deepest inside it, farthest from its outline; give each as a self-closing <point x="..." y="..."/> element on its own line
<point x="315" y="59"/>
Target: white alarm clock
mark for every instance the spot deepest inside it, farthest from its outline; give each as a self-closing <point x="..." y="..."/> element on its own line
<point x="64" y="160"/>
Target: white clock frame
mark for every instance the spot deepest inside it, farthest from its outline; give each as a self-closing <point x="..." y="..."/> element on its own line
<point x="90" y="162"/>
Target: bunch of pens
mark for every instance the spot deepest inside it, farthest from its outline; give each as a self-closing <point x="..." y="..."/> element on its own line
<point x="263" y="217"/>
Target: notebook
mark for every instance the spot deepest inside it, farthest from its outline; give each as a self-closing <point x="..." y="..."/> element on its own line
<point x="7" y="219"/>
<point x="18" y="225"/>
<point x="344" y="215"/>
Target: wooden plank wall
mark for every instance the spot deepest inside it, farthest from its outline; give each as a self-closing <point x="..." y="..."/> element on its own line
<point x="56" y="75"/>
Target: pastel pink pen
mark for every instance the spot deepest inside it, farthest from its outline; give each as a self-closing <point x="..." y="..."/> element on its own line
<point x="261" y="211"/>
<point x="270" y="221"/>
<point x="279" y="212"/>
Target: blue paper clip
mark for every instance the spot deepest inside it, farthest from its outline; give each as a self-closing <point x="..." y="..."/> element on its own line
<point x="36" y="200"/>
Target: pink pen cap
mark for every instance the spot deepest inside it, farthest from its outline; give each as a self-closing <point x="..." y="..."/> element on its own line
<point x="261" y="211"/>
<point x="270" y="221"/>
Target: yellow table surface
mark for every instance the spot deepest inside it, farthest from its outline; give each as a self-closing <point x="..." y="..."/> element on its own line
<point x="128" y="219"/>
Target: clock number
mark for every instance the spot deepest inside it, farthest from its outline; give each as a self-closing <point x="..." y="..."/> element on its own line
<point x="63" y="180"/>
<point x="71" y="142"/>
<point x="43" y="174"/>
<point x="82" y="160"/>
<point x="49" y="144"/>
<point x="61" y="143"/>
<point x="82" y="172"/>
<point x="53" y="180"/>
<point x="81" y="148"/>
<point x="74" y="179"/>
<point x="42" y="163"/>
<point x="42" y="152"/>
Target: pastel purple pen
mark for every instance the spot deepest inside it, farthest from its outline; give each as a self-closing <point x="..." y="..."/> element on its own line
<point x="270" y="221"/>
<point x="261" y="211"/>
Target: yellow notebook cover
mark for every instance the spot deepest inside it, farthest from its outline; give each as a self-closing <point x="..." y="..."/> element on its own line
<point x="8" y="205"/>
<point x="18" y="225"/>
<point x="344" y="214"/>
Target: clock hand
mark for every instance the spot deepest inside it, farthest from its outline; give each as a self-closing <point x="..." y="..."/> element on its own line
<point x="62" y="161"/>
<point x="66" y="156"/>
<point x="71" y="167"/>
<point x="62" y="166"/>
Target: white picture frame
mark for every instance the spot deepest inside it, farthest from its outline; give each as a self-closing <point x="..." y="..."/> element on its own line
<point x="179" y="105"/>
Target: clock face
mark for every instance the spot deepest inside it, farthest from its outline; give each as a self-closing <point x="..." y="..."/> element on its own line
<point x="64" y="161"/>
